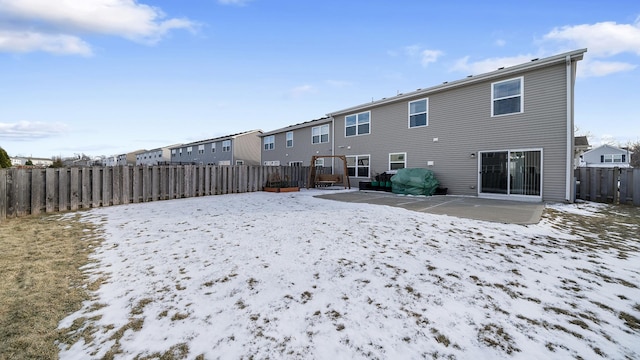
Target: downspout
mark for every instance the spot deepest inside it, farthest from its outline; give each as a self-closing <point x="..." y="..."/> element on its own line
<point x="333" y="145"/>
<point x="569" y="167"/>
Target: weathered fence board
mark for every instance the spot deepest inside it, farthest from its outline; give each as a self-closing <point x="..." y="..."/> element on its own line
<point x="609" y="185"/>
<point x="33" y="191"/>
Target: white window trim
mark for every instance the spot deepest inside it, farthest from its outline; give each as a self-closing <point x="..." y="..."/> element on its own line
<point x="271" y="145"/>
<point x="356" y="172"/>
<point x="493" y="100"/>
<point x="409" y="113"/>
<point x="320" y="127"/>
<point x="213" y="147"/>
<point x="319" y="162"/>
<point x="226" y="148"/>
<point x="398" y="153"/>
<point x="356" y="115"/>
<point x="286" y="139"/>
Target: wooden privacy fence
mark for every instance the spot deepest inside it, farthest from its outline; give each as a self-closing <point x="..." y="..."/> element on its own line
<point x="33" y="191"/>
<point x="608" y="185"/>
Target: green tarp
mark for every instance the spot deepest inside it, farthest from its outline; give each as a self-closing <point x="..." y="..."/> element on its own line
<point x="416" y="181"/>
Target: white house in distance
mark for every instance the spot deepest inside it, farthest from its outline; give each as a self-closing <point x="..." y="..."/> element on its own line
<point x="22" y="161"/>
<point x="606" y="156"/>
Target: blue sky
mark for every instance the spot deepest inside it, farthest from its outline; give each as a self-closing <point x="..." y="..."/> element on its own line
<point x="105" y="77"/>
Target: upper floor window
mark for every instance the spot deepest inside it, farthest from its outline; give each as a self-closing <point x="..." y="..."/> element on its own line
<point x="357" y="124"/>
<point x="507" y="97"/>
<point x="213" y="147"/>
<point x="200" y="149"/>
<point x="320" y="134"/>
<point x="397" y="161"/>
<point x="226" y="146"/>
<point x="269" y="142"/>
<point x="613" y="158"/>
<point x="173" y="152"/>
<point x="418" y="113"/>
<point x="289" y="136"/>
<point x="189" y="150"/>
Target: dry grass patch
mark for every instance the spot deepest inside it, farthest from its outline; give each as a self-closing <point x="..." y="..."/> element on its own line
<point x="41" y="282"/>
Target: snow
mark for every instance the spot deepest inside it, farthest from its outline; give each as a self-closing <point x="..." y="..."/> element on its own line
<point x="269" y="275"/>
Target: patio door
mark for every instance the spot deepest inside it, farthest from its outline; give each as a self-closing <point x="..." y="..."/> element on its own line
<point x="511" y="173"/>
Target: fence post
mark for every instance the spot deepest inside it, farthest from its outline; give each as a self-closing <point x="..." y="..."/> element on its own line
<point x="74" y="187"/>
<point x="86" y="187"/>
<point x="37" y="190"/>
<point x="64" y="187"/>
<point x="51" y="189"/>
<point x="116" y="189"/>
<point x="636" y="187"/>
<point x="3" y="194"/>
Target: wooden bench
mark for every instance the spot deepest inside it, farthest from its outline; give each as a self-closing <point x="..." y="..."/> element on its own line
<point x="327" y="179"/>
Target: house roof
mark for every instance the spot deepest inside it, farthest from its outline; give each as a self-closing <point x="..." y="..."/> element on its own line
<point x="581" y="141"/>
<point x="298" y="126"/>
<point x="226" y="137"/>
<point x="575" y="55"/>
<point x="611" y="148"/>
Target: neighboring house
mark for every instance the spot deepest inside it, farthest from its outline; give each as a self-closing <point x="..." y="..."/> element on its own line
<point x="504" y="134"/>
<point x="110" y="161"/>
<point x="294" y="145"/>
<point x="155" y="156"/>
<point x="606" y="156"/>
<point x="128" y="159"/>
<point x="236" y="149"/>
<point x="581" y="144"/>
<point x="39" y="162"/>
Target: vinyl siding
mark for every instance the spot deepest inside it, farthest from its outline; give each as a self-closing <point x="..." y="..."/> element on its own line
<point x="246" y="148"/>
<point x="302" y="149"/>
<point x="461" y="120"/>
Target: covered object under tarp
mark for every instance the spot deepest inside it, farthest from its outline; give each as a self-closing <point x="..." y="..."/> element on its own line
<point x="414" y="181"/>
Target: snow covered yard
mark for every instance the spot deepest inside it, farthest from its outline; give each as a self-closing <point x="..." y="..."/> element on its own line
<point x="266" y="275"/>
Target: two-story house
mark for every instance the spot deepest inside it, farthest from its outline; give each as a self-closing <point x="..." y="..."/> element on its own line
<point x="606" y="156"/>
<point x="155" y="156"/>
<point x="237" y="149"/>
<point x="503" y="134"/>
<point x="295" y="144"/>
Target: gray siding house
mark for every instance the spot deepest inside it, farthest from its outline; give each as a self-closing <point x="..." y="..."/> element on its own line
<point x="503" y="134"/>
<point x="606" y="156"/>
<point x="237" y="149"/>
<point x="155" y="156"/>
<point x="295" y="144"/>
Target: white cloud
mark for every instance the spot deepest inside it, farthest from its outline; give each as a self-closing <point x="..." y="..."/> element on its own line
<point x="601" y="68"/>
<point x="338" y="83"/>
<point x="603" y="39"/>
<point x="487" y="65"/>
<point x="29" y="130"/>
<point x="500" y="42"/>
<point x="234" y="2"/>
<point x="412" y="50"/>
<point x="430" y="56"/>
<point x="426" y="56"/>
<point x="27" y="41"/>
<point x="64" y="20"/>
<point x="301" y="90"/>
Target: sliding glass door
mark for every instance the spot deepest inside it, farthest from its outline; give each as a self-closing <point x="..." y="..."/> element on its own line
<point x="515" y="172"/>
